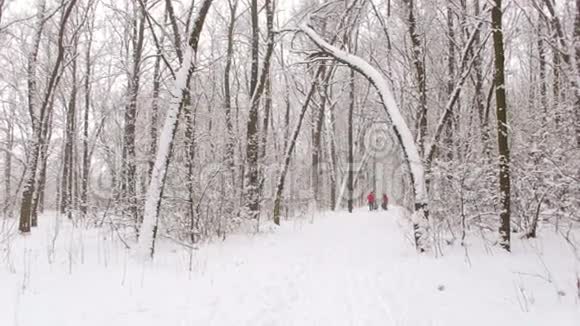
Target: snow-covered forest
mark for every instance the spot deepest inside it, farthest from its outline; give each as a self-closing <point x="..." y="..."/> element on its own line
<point x="160" y="135"/>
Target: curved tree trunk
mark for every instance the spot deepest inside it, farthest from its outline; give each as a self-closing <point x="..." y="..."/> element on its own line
<point x="400" y="128"/>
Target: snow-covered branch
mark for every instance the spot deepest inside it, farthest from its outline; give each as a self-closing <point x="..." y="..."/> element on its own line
<point x="400" y="128"/>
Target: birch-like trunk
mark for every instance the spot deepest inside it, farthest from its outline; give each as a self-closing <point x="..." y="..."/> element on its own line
<point x="180" y="91"/>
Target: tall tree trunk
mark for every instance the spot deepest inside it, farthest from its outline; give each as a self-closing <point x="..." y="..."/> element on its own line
<point x="9" y="130"/>
<point x="286" y="98"/>
<point x="251" y="186"/>
<point x="257" y="84"/>
<point x="190" y="114"/>
<point x="317" y="137"/>
<point x="576" y="42"/>
<point x="350" y="160"/>
<point x="570" y="55"/>
<point x="86" y="163"/>
<point x="129" y="155"/>
<point x="154" y="117"/>
<point x="421" y="80"/>
<point x="34" y="116"/>
<point x="556" y="85"/>
<point x="449" y="130"/>
<point x="2" y="3"/>
<point x="173" y="21"/>
<point x="38" y="198"/>
<point x="227" y="93"/>
<point x="66" y="205"/>
<point x="543" y="82"/>
<point x="26" y="205"/>
<point x="291" y="144"/>
<point x="502" y="126"/>
<point x="333" y="158"/>
<point x="478" y="89"/>
<point x="265" y="126"/>
<point x="180" y="92"/>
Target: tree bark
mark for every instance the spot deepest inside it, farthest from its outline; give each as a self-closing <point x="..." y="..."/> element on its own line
<point x="38" y="198"/>
<point x="291" y="144"/>
<point x="227" y="92"/>
<point x="417" y="57"/>
<point x="571" y="57"/>
<point x="502" y="126"/>
<point x="478" y="88"/>
<point x="317" y="136"/>
<point x="86" y="162"/>
<point x="542" y="73"/>
<point x="70" y="132"/>
<point x="449" y="130"/>
<point x="175" y="28"/>
<point x="154" y="117"/>
<point x="129" y="154"/>
<point x="257" y="84"/>
<point x="146" y="243"/>
<point x="252" y="198"/>
<point x="26" y="205"/>
<point x="576" y="40"/>
<point x="350" y="159"/>
<point x="9" y="130"/>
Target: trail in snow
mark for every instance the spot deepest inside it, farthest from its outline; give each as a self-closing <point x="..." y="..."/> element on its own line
<point x="342" y="269"/>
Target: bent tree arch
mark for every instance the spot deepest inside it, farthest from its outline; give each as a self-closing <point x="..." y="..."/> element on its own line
<point x="400" y="128"/>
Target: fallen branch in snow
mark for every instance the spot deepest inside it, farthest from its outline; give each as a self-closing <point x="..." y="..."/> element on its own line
<point x="547" y="279"/>
<point x="179" y="242"/>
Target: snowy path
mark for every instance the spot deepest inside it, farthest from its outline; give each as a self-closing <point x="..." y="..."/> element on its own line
<point x="340" y="270"/>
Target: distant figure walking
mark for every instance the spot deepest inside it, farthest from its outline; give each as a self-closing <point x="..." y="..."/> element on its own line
<point x="385" y="203"/>
<point x="371" y="201"/>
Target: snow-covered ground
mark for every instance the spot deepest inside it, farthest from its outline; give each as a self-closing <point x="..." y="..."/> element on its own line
<point x="339" y="269"/>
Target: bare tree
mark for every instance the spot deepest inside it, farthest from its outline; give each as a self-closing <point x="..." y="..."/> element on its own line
<point x="181" y="89"/>
<point x="233" y="5"/>
<point x="502" y="125"/>
<point x="403" y="133"/>
<point x="86" y="161"/>
<point x="257" y="86"/>
<point x="67" y="196"/>
<point x="421" y="80"/>
<point x="26" y="206"/>
<point x="129" y="164"/>
<point x="292" y="144"/>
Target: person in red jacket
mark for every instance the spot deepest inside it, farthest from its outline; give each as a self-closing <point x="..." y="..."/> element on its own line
<point x="371" y="200"/>
<point x="385" y="204"/>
